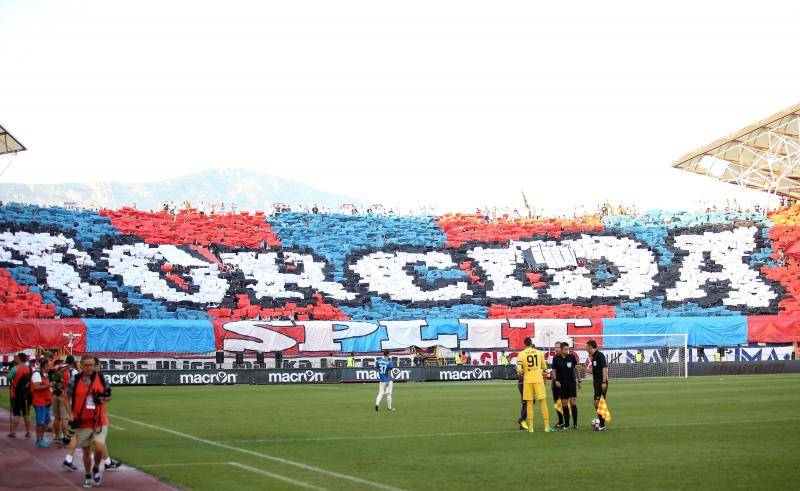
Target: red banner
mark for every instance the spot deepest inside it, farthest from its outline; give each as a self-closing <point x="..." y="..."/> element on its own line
<point x="773" y="329"/>
<point x="19" y="334"/>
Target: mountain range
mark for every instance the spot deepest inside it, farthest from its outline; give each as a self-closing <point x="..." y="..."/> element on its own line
<point x="247" y="189"/>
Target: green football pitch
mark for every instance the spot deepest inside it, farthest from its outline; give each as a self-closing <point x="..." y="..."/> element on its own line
<point x="709" y="432"/>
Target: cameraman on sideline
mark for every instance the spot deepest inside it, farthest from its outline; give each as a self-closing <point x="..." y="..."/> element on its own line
<point x="61" y="379"/>
<point x="108" y="462"/>
<point x="69" y="435"/>
<point x="87" y="395"/>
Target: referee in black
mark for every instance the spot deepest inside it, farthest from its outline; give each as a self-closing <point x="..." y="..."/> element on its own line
<point x="554" y="386"/>
<point x="523" y="413"/>
<point x="599" y="371"/>
<point x="566" y="383"/>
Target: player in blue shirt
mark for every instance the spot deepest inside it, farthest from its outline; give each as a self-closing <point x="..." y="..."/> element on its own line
<point x="385" y="367"/>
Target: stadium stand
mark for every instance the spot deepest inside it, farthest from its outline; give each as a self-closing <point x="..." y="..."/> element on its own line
<point x="127" y="274"/>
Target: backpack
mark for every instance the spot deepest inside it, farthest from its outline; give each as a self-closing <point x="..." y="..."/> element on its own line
<point x="24" y="385"/>
<point x="58" y="381"/>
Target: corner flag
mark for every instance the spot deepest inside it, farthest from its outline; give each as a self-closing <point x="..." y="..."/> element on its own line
<point x="602" y="409"/>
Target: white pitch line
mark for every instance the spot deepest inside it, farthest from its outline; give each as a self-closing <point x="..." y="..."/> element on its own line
<point x="476" y="433"/>
<point x="711" y="423"/>
<point x="348" y="389"/>
<point x="178" y="464"/>
<point x="263" y="456"/>
<point x="279" y="477"/>
<point x="374" y="437"/>
<point x="255" y="470"/>
<point x="120" y="428"/>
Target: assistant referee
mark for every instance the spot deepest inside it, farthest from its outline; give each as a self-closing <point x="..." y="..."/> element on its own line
<point x="599" y="371"/>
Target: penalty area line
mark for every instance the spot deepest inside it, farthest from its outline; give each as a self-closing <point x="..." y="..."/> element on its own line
<point x="260" y="455"/>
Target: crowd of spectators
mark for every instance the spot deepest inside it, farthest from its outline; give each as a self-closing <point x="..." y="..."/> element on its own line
<point x="490" y="213"/>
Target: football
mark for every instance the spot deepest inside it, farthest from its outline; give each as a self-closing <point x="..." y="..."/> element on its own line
<point x="595" y="423"/>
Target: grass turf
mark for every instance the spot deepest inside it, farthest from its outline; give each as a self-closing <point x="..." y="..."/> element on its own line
<point x="711" y="432"/>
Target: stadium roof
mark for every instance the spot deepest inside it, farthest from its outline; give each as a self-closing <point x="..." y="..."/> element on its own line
<point x="9" y="144"/>
<point x="763" y="156"/>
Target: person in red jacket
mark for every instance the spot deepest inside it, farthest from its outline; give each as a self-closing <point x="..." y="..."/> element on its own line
<point x="20" y="377"/>
<point x="87" y="396"/>
<point x="42" y="391"/>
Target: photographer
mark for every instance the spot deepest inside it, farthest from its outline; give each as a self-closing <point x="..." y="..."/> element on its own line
<point x="87" y="395"/>
<point x="108" y="462"/>
<point x="61" y="378"/>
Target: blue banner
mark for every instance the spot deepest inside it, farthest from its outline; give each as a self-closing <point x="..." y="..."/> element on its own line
<point x="701" y="331"/>
<point x="149" y="336"/>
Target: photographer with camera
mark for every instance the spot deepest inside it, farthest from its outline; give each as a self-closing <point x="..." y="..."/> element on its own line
<point x="108" y="462"/>
<point x="87" y="395"/>
<point x="41" y="388"/>
<point x="61" y="378"/>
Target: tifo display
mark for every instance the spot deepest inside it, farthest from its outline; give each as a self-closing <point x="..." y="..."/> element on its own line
<point x="130" y="281"/>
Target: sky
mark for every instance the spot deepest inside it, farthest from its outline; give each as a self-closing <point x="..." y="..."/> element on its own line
<point x="456" y="104"/>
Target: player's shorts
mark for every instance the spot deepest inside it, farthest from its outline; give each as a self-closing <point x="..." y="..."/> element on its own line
<point x="86" y="436"/>
<point x="42" y="415"/>
<point x="385" y="387"/>
<point x="58" y="408"/>
<point x="568" y="391"/>
<point x="531" y="390"/>
<point x="599" y="391"/>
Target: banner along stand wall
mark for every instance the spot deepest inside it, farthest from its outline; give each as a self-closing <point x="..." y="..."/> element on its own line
<point x="404" y="374"/>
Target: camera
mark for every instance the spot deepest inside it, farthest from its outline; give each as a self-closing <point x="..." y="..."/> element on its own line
<point x="98" y="396"/>
<point x="70" y="432"/>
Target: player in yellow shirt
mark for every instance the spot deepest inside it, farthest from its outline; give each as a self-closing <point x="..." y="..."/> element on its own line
<point x="530" y="363"/>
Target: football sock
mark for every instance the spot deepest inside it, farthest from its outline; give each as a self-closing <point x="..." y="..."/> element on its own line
<point x="529" y="413"/>
<point x="378" y="399"/>
<point x="545" y="414"/>
<point x="68" y="458"/>
<point x="389" y="400"/>
<point x="602" y="421"/>
<point x="523" y="413"/>
<point x="566" y="414"/>
<point x="575" y="415"/>
<point x="560" y="418"/>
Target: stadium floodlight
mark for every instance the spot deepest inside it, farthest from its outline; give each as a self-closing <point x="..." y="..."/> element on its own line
<point x="9" y="144"/>
<point x="660" y="355"/>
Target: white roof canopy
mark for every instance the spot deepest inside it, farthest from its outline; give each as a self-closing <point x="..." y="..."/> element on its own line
<point x="9" y="144"/>
<point x="763" y="156"/>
